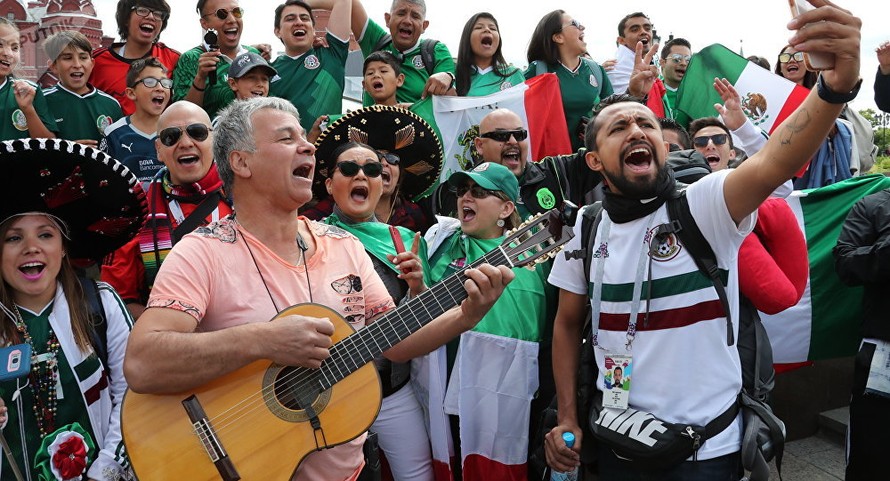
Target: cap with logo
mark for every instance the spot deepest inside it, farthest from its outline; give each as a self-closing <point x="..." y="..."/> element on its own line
<point x="248" y="61"/>
<point x="491" y="176"/>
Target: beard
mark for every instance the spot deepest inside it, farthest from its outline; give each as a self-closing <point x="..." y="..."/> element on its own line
<point x="637" y="189"/>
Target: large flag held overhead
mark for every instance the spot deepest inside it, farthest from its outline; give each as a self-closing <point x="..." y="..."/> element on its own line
<point x="767" y="98"/>
<point x="537" y="102"/>
<point x="825" y="323"/>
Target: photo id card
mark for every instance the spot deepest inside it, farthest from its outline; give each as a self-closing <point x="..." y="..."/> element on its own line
<point x="616" y="381"/>
<point x="879" y="373"/>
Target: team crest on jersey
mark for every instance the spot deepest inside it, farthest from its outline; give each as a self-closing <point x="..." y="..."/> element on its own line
<point x="667" y="247"/>
<point x="506" y="85"/>
<point x="311" y="62"/>
<point x="754" y="105"/>
<point x="102" y="122"/>
<point x="417" y="61"/>
<point x="19" y="121"/>
<point x="593" y="82"/>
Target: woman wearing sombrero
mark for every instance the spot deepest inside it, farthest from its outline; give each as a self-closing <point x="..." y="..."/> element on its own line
<point x="412" y="161"/>
<point x="67" y="336"/>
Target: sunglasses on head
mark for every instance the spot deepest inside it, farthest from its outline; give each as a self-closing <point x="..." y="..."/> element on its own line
<point x="504" y="135"/>
<point x="391" y="158"/>
<point x="223" y="14"/>
<point x="350" y="169"/>
<point x="145" y="12"/>
<point x="786" y="57"/>
<point x="679" y="57"/>
<point x="702" y="141"/>
<point x="152" y="82"/>
<point x="170" y="136"/>
<point x="476" y="191"/>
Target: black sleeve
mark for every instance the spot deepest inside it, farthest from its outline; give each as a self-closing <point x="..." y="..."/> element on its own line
<point x="882" y="91"/>
<point x="862" y="253"/>
<point x="576" y="179"/>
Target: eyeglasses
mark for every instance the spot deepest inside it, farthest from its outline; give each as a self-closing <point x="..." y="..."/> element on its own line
<point x="391" y="158"/>
<point x="152" y="82"/>
<point x="350" y="168"/>
<point x="702" y="141"/>
<point x="504" y="135"/>
<point x="678" y="57"/>
<point x="145" y="12"/>
<point x="170" y="136"/>
<point x="786" y="57"/>
<point x="223" y="14"/>
<point x="574" y="23"/>
<point x="476" y="191"/>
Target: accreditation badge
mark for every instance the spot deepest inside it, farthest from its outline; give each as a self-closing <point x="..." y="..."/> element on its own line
<point x="616" y="381"/>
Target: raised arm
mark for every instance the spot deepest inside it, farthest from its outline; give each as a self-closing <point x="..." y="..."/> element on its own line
<point x="828" y="29"/>
<point x="340" y="24"/>
<point x="356" y="14"/>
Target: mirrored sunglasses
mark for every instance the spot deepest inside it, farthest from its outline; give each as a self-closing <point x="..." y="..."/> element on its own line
<point x="223" y="14"/>
<point x="786" y="57"/>
<point x="152" y="82"/>
<point x="702" y="140"/>
<point x="171" y="135"/>
<point x="504" y="135"/>
<point x="678" y="57"/>
<point x="350" y="169"/>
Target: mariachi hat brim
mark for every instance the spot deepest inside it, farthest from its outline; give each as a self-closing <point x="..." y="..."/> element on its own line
<point x="101" y="201"/>
<point x="388" y="129"/>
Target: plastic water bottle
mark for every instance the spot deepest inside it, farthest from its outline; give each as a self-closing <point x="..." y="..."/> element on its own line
<point x="572" y="475"/>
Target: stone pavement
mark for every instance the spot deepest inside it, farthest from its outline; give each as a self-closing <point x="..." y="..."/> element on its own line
<point x="816" y="458"/>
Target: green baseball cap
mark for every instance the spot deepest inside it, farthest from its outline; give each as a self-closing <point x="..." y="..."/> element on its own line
<point x="491" y="176"/>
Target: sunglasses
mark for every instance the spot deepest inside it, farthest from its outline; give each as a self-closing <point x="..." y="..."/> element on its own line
<point x="504" y="135"/>
<point x="476" y="191"/>
<point x="350" y="168"/>
<point x="223" y="14"/>
<point x="678" y="57"/>
<point x="574" y="23"/>
<point x="786" y="57"/>
<point x="702" y="141"/>
<point x="152" y="82"/>
<point x="391" y="159"/>
<point x="170" y="136"/>
<point x="145" y="12"/>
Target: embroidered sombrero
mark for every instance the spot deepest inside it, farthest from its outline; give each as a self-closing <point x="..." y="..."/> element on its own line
<point x="98" y="198"/>
<point x="391" y="130"/>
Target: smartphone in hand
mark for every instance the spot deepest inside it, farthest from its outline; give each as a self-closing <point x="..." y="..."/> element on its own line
<point x="396" y="239"/>
<point x="814" y="61"/>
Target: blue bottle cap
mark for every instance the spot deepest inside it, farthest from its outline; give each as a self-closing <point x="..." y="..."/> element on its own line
<point x="569" y="438"/>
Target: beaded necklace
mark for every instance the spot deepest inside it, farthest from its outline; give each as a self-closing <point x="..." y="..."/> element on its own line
<point x="43" y="381"/>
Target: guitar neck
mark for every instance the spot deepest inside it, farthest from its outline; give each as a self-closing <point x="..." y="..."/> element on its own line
<point x="370" y="342"/>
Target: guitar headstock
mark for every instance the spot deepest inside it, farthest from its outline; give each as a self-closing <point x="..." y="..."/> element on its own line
<point x="537" y="239"/>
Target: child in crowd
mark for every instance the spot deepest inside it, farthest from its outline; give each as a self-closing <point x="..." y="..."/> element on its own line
<point x="82" y="112"/>
<point x="382" y="77"/>
<point x="23" y="110"/>
<point x="131" y="140"/>
<point x="249" y="76"/>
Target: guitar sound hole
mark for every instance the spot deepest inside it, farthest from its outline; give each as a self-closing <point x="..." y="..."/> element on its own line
<point x="292" y="388"/>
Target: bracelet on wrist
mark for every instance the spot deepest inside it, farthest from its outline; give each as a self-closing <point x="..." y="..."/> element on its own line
<point x="199" y="89"/>
<point x="827" y="94"/>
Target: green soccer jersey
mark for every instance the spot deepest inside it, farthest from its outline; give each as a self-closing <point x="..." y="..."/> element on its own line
<point x="216" y="96"/>
<point x="489" y="82"/>
<point x="581" y="90"/>
<point x="670" y="108"/>
<point x="12" y="121"/>
<point x="82" y="117"/>
<point x="412" y="64"/>
<point x="313" y="81"/>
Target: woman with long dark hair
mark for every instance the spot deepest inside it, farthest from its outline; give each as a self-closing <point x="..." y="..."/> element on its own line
<point x="481" y="68"/>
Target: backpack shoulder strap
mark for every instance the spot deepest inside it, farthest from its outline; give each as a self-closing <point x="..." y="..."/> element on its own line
<point x="590" y="220"/>
<point x="540" y="67"/>
<point x="98" y="321"/>
<point x="683" y="224"/>
<point x="383" y="42"/>
<point x="428" y="54"/>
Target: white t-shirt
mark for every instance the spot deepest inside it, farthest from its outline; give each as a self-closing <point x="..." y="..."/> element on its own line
<point x="683" y="370"/>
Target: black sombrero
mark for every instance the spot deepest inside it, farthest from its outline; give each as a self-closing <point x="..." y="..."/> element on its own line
<point x="99" y="199"/>
<point x="389" y="129"/>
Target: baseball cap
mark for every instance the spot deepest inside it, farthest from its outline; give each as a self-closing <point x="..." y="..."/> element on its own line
<point x="491" y="176"/>
<point x="248" y="61"/>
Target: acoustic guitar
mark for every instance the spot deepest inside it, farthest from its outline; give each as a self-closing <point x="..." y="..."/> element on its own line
<point x="259" y="422"/>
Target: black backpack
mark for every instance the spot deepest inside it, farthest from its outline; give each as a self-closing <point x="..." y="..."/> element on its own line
<point x="427" y="51"/>
<point x="763" y="433"/>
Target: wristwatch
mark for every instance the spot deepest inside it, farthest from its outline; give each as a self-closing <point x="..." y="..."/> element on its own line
<point x="827" y="94"/>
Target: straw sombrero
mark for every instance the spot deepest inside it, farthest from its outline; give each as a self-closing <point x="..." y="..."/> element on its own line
<point x="389" y="129"/>
<point x="99" y="199"/>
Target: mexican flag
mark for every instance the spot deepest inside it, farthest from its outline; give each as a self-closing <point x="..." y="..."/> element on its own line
<point x="767" y="98"/>
<point x="537" y="102"/>
<point x="825" y="323"/>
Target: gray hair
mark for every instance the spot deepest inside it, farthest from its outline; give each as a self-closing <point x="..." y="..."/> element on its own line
<point x="419" y="3"/>
<point x="234" y="131"/>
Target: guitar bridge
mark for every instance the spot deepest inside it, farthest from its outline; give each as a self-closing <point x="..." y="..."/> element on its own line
<point x="207" y="436"/>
